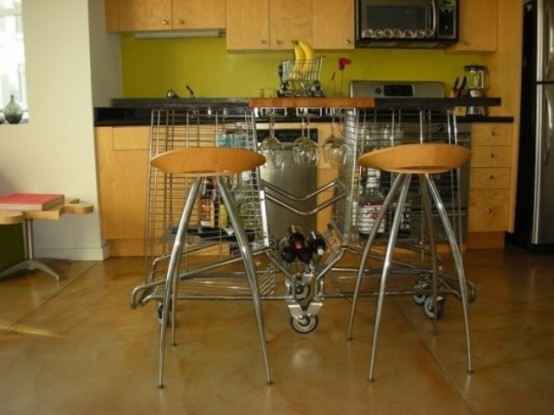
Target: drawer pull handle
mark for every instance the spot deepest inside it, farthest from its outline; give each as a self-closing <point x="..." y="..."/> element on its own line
<point x="493" y="155"/>
<point x="491" y="177"/>
<point x="489" y="210"/>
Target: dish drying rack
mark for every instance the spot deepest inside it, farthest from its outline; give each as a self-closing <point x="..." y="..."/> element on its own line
<point x="365" y="130"/>
<point x="300" y="78"/>
<point x="215" y="272"/>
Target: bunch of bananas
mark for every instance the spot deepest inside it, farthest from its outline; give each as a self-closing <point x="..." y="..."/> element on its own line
<point x="303" y="59"/>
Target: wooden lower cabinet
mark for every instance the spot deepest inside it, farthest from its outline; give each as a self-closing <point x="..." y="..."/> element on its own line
<point x="122" y="165"/>
<point x="122" y="161"/>
<point x="490" y="184"/>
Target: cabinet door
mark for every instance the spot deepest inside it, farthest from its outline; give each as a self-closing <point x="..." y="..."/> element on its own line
<point x="141" y="15"/>
<point x="488" y="210"/>
<point x="112" y="15"/>
<point x="122" y="160"/>
<point x="247" y="24"/>
<point x="490" y="178"/>
<point x="478" y="26"/>
<point x="289" y="21"/>
<point x="198" y="14"/>
<point x="333" y="24"/>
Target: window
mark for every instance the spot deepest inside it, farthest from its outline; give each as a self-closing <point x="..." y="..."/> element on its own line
<point x="12" y="56"/>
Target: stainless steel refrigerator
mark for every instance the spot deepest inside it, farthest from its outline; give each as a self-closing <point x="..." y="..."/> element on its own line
<point x="534" y="221"/>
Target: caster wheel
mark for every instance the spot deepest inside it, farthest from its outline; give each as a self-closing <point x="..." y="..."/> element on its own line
<point x="302" y="291"/>
<point x="428" y="307"/>
<point x="305" y="324"/>
<point x="419" y="299"/>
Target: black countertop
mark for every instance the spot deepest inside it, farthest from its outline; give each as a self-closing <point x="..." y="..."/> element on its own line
<point x="137" y="111"/>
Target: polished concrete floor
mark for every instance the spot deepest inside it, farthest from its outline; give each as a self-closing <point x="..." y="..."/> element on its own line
<point x="76" y="347"/>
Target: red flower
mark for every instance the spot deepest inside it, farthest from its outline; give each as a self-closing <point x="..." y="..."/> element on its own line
<point x="343" y="62"/>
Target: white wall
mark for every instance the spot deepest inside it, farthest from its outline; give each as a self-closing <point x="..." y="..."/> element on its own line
<point x="54" y="152"/>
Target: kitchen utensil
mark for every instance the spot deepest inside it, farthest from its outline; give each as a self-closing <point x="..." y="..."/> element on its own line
<point x="461" y="90"/>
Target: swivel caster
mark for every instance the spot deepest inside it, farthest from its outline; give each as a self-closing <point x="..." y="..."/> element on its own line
<point x="305" y="324"/>
<point x="428" y="307"/>
<point x="419" y="299"/>
<point x="302" y="291"/>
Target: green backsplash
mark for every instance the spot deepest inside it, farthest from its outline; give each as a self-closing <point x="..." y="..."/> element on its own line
<point x="152" y="66"/>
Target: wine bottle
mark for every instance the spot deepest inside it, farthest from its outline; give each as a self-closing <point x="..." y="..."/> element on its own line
<point x="369" y="205"/>
<point x="317" y="243"/>
<point x="304" y="254"/>
<point x="288" y="254"/>
<point x="206" y="211"/>
<point x="247" y="201"/>
<point x="297" y="241"/>
<point x="220" y="217"/>
<point x="296" y="237"/>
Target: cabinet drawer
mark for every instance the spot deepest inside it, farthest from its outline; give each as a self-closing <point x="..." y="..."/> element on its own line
<point x="488" y="210"/>
<point x="491" y="156"/>
<point x="490" y="178"/>
<point x="130" y="138"/>
<point x="491" y="134"/>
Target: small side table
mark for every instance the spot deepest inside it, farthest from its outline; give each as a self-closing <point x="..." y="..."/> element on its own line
<point x="11" y="217"/>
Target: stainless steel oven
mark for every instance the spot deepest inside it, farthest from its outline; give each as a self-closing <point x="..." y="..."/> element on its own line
<point x="406" y="23"/>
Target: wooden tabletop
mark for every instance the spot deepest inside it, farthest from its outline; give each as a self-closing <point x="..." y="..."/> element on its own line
<point x="71" y="205"/>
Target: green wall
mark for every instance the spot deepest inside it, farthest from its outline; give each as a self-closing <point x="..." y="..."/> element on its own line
<point x="152" y="66"/>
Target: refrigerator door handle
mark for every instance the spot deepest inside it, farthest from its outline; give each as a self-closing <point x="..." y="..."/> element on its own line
<point x="547" y="138"/>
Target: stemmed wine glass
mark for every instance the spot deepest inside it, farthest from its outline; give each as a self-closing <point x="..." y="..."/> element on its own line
<point x="272" y="148"/>
<point x="305" y="151"/>
<point x="335" y="148"/>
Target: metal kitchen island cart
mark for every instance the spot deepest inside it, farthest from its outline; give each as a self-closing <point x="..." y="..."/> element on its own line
<point x="210" y="263"/>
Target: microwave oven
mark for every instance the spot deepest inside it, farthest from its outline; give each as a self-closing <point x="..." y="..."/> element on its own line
<point x="406" y="23"/>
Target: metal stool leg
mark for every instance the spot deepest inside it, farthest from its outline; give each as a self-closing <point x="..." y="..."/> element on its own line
<point x="388" y="200"/>
<point x="386" y="267"/>
<point x="428" y="215"/>
<point x="246" y="253"/>
<point x="170" y="294"/>
<point x="458" y="264"/>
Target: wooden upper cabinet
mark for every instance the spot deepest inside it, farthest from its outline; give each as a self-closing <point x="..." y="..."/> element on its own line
<point x="139" y="15"/>
<point x="199" y="14"/>
<point x="270" y="24"/>
<point x="247" y="25"/>
<point x="333" y="24"/>
<point x="112" y="15"/>
<point x="478" y="26"/>
<point x="146" y="15"/>
<point x="289" y="21"/>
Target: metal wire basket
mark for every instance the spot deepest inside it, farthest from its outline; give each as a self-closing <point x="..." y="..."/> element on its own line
<point x="302" y="76"/>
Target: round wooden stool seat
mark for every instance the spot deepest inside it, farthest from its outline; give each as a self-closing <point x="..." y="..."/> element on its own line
<point x="207" y="161"/>
<point x="417" y="158"/>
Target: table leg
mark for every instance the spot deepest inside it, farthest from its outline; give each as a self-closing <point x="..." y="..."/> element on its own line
<point x="30" y="263"/>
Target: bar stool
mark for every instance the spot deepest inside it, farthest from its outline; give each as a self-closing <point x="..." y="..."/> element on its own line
<point x="197" y="163"/>
<point x="407" y="160"/>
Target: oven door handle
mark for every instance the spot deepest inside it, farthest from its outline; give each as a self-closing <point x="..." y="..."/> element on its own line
<point x="435" y="17"/>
